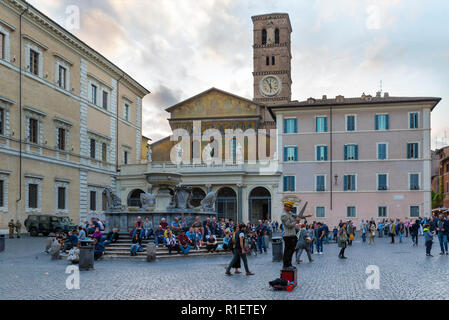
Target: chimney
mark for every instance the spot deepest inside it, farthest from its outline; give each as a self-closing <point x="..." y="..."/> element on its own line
<point x="378" y="94"/>
<point x="339" y="98"/>
<point x="386" y="95"/>
<point x="324" y="97"/>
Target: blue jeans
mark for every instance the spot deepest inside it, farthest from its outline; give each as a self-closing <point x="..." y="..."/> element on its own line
<point x="400" y="236"/>
<point x="185" y="250"/>
<point x="261" y="244"/>
<point x="148" y="233"/>
<point x="364" y="237"/>
<point x="311" y="246"/>
<point x="319" y="245"/>
<point x="415" y="239"/>
<point x="429" y="246"/>
<point x="142" y="233"/>
<point x="442" y="238"/>
<point x="135" y="248"/>
<point x="158" y="240"/>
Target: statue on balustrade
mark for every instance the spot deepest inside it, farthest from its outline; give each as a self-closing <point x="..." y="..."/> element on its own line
<point x="113" y="202"/>
<point x="148" y="200"/>
<point x="207" y="204"/>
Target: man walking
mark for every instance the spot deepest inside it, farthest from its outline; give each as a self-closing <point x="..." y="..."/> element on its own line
<point x="290" y="239"/>
<point x="261" y="230"/>
<point x="239" y="251"/>
<point x="321" y="233"/>
<point x="442" y="228"/>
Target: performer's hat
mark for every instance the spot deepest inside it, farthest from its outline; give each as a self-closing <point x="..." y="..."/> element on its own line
<point x="288" y="204"/>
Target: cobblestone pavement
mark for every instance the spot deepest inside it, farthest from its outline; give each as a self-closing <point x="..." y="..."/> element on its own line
<point x="405" y="273"/>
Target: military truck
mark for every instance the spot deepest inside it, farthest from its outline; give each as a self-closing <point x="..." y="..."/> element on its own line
<point x="46" y="224"/>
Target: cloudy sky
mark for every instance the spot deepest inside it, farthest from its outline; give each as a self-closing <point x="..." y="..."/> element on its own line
<point x="178" y="48"/>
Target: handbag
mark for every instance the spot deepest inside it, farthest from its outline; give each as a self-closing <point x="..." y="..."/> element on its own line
<point x="308" y="239"/>
<point x="351" y="237"/>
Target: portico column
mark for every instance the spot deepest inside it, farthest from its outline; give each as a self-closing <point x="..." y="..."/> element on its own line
<point x="240" y="202"/>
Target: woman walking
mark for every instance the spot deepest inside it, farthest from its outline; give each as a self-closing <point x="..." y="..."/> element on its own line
<point x="372" y="232"/>
<point x="342" y="241"/>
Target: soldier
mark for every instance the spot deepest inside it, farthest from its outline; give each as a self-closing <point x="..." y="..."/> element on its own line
<point x="18" y="227"/>
<point x="11" y="226"/>
<point x="289" y="220"/>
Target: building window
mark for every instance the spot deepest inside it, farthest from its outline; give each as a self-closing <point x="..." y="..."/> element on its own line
<point x="126" y="112"/>
<point x="414" y="181"/>
<point x="61" y="138"/>
<point x="412" y="150"/>
<point x="349" y="183"/>
<point x="267" y="60"/>
<point x="2" y="121"/>
<point x="92" y="148"/>
<point x="61" y="198"/>
<point x="382" y="181"/>
<point x="264" y="36"/>
<point x="351" y="212"/>
<point x="289" y="183"/>
<point x="290" y="154"/>
<point x="276" y="36"/>
<point x="94" y="94"/>
<point x="2" y="46"/>
<point x="321" y="124"/>
<point x="62" y="77"/>
<point x="93" y="201"/>
<point x="320" y="212"/>
<point x="2" y="200"/>
<point x="125" y="157"/>
<point x="413" y="120"/>
<point x="350" y="123"/>
<point x="321" y="153"/>
<point x="32" y="195"/>
<point x="104" y="152"/>
<point x="382" y="212"/>
<point x="34" y="62"/>
<point x="351" y="152"/>
<point x="447" y="167"/>
<point x="381" y="122"/>
<point x="381" y="151"/>
<point x="33" y="130"/>
<point x="273" y="60"/>
<point x="290" y="125"/>
<point x="105" y="100"/>
<point x="414" y="211"/>
<point x="320" y="183"/>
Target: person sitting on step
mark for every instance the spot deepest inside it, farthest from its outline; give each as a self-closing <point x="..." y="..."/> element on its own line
<point x="211" y="243"/>
<point x="112" y="237"/>
<point x="159" y="236"/>
<point x="184" y="242"/>
<point x="172" y="243"/>
<point x="137" y="244"/>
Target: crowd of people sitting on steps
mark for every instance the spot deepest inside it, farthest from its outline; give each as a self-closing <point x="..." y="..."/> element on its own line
<point x="186" y="233"/>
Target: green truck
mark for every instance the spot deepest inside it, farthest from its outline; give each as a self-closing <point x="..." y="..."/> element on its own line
<point x="46" y="224"/>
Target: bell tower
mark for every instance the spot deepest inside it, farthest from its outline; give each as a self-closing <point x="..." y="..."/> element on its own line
<point x="272" y="58"/>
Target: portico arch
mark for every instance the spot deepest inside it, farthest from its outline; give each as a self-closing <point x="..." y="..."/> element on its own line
<point x="226" y="203"/>
<point x="134" y="198"/>
<point x="259" y="204"/>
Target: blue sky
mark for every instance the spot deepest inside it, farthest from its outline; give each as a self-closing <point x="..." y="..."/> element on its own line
<point x="178" y="48"/>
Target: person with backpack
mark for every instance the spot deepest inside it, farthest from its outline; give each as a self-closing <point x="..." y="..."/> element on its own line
<point x="303" y="244"/>
<point x="428" y="236"/>
<point x="414" y="229"/>
<point x="392" y="231"/>
<point x="239" y="251"/>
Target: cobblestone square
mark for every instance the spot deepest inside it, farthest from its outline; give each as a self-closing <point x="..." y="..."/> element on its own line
<point x="405" y="273"/>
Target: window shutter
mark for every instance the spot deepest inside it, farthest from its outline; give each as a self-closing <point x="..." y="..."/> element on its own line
<point x="325" y="153"/>
<point x="285" y="154"/>
<point x="285" y="126"/>
<point x="296" y="125"/>
<point x="296" y="153"/>
<point x="376" y="122"/>
<point x="285" y="183"/>
<point x="387" y="121"/>
<point x="356" y="153"/>
<point x="353" y="187"/>
<point x="325" y="124"/>
<point x="293" y="185"/>
<point x="345" y="152"/>
<point x="345" y="183"/>
<point x="316" y="124"/>
<point x="408" y="150"/>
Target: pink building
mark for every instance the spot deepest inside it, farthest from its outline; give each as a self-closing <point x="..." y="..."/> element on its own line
<point x="357" y="158"/>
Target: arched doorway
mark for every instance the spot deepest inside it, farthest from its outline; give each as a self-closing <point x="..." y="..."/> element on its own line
<point x="134" y="198"/>
<point x="226" y="204"/>
<point x="197" y="195"/>
<point x="259" y="204"/>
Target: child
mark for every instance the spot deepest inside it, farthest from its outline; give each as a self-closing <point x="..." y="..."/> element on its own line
<point x="335" y="232"/>
<point x="428" y="235"/>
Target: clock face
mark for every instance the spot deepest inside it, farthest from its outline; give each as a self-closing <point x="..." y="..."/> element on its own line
<point x="270" y="85"/>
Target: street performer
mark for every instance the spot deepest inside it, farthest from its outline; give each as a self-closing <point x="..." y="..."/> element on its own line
<point x="289" y="221"/>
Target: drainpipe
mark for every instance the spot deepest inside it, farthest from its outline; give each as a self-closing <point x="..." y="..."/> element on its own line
<point x="20" y="111"/>
<point x="116" y="124"/>
<point x="330" y="155"/>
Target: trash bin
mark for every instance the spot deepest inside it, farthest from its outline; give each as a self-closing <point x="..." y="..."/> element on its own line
<point x="2" y="242"/>
<point x="86" y="257"/>
<point x="276" y="244"/>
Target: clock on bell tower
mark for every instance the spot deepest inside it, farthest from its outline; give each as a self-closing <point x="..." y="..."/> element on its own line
<point x="272" y="58"/>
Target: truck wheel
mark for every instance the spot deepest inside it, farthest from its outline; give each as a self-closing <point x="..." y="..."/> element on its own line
<point x="33" y="232"/>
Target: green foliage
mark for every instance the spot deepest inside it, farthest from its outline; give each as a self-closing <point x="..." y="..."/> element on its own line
<point x="437" y="200"/>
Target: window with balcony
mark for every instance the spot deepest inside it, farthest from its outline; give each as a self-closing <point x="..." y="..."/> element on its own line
<point x="290" y="154"/>
<point x="349" y="182"/>
<point x="289" y="183"/>
<point x="321" y="153"/>
<point x="412" y="150"/>
<point x="321" y="124"/>
<point x="351" y="152"/>
<point x="381" y="122"/>
<point x="382" y="181"/>
<point x="290" y="125"/>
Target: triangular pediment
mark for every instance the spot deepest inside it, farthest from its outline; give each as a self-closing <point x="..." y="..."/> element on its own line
<point x="215" y="103"/>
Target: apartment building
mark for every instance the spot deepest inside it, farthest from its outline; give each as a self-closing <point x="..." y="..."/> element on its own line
<point x="357" y="158"/>
<point x="68" y="119"/>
